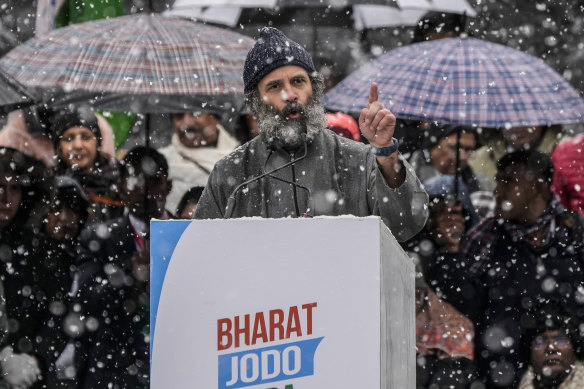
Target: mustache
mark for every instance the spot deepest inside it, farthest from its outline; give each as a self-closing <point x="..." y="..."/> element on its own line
<point x="192" y="130"/>
<point x="293" y="107"/>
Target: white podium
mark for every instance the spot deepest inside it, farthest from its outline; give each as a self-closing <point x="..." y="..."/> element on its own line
<point x="280" y="303"/>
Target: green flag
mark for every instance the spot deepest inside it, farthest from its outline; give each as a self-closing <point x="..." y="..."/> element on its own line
<point x="79" y="11"/>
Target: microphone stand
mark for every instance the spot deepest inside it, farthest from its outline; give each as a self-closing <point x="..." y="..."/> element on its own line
<point x="231" y="200"/>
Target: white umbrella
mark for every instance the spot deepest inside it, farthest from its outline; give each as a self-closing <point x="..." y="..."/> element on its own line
<point x="367" y="14"/>
<point x="450" y="6"/>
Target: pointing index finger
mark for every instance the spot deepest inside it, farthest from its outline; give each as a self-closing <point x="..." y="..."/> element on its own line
<point x="373" y="94"/>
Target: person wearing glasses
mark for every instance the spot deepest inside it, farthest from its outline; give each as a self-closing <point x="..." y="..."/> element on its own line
<point x="553" y="349"/>
<point x="295" y="167"/>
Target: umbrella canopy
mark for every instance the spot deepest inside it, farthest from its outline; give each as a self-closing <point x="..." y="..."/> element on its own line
<point x="138" y="63"/>
<point x="462" y="81"/>
<point x="367" y="13"/>
<point x="282" y="3"/>
<point x="14" y="95"/>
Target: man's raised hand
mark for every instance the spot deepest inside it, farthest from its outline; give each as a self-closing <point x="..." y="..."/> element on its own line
<point x="376" y="122"/>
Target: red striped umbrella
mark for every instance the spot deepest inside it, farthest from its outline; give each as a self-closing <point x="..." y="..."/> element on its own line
<point x="13" y="95"/>
<point x="138" y="63"/>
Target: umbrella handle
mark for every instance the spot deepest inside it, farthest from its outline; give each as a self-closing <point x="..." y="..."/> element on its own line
<point x="457" y="163"/>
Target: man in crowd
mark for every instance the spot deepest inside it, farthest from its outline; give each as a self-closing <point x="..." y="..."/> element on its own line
<point x="198" y="142"/>
<point x="297" y="168"/>
<point x="530" y="251"/>
<point x="438" y="156"/>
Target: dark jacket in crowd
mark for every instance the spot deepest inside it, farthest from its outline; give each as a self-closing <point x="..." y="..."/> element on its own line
<point x="113" y="348"/>
<point x="23" y="277"/>
<point x="58" y="316"/>
<point x="502" y="277"/>
<point x="100" y="187"/>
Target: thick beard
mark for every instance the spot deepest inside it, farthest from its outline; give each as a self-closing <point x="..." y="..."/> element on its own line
<point x="278" y="131"/>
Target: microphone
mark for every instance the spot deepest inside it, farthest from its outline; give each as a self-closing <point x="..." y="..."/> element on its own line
<point x="231" y="200"/>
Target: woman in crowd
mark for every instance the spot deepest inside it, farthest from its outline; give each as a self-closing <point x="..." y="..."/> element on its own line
<point x="77" y="140"/>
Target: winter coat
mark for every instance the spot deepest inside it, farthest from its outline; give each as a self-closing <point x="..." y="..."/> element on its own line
<point x="51" y="337"/>
<point x="338" y="177"/>
<point x="100" y="187"/>
<point x="113" y="347"/>
<point x="575" y="380"/>
<point x="568" y="160"/>
<point x="497" y="289"/>
<point x="24" y="280"/>
<point x="188" y="167"/>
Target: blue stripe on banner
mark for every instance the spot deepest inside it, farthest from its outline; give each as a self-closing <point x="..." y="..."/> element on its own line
<point x="268" y="364"/>
<point x="162" y="244"/>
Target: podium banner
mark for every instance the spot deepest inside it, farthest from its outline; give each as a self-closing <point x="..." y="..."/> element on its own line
<point x="280" y="303"/>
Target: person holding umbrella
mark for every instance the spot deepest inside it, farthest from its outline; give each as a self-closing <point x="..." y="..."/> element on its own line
<point x="295" y="168"/>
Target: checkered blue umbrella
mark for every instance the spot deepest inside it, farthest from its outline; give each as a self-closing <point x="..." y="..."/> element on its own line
<point x="138" y="63"/>
<point x="462" y="81"/>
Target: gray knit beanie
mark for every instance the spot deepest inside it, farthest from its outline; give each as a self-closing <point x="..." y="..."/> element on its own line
<point x="271" y="51"/>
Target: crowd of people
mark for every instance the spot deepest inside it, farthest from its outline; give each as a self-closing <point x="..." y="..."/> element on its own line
<point x="495" y="229"/>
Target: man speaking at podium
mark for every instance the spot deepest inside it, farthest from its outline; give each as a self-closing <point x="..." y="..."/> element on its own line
<point x="297" y="168"/>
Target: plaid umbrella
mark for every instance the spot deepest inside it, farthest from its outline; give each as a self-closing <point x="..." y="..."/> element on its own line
<point x="13" y="95"/>
<point x="137" y="63"/>
<point x="462" y="81"/>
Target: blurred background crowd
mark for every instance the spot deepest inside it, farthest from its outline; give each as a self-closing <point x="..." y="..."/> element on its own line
<point x="500" y="262"/>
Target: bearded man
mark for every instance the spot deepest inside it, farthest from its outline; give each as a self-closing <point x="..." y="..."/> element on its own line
<point x="295" y="167"/>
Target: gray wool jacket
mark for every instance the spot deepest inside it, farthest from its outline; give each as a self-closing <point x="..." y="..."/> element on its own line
<point x="337" y="177"/>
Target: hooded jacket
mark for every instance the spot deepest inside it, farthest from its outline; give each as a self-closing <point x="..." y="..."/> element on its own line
<point x="338" y="176"/>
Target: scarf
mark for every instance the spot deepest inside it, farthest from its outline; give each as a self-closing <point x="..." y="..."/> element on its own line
<point x="575" y="380"/>
<point x="190" y="167"/>
<point x="206" y="157"/>
<point x="539" y="232"/>
<point x="482" y="238"/>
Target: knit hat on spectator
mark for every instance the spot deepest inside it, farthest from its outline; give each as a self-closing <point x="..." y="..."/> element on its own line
<point x="80" y="117"/>
<point x="271" y="51"/>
